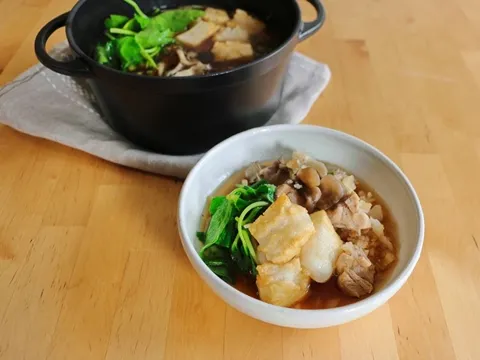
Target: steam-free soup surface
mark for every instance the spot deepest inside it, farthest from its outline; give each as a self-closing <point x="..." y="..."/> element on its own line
<point x="184" y="41"/>
<point x="320" y="295"/>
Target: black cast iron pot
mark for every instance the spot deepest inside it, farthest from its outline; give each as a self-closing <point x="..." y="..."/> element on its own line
<point x="181" y="115"/>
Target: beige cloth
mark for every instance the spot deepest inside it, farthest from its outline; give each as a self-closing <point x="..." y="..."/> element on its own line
<point x="45" y="104"/>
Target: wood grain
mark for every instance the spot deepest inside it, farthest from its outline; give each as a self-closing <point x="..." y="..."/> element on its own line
<point x="90" y="261"/>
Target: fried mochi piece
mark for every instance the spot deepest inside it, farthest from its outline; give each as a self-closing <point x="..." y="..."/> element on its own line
<point x="282" y="230"/>
<point x="282" y="285"/>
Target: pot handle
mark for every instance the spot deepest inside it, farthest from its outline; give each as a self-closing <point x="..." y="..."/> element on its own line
<point x="311" y="27"/>
<point x="74" y="67"/>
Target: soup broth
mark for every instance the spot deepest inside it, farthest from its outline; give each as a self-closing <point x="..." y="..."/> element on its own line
<point x="185" y="41"/>
<point x="320" y="295"/>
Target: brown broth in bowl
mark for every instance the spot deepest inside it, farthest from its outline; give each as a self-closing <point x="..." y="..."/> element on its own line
<point x="321" y="295"/>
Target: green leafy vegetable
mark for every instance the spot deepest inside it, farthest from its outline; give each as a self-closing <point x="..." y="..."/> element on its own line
<point x="215" y="203"/>
<point x="122" y="32"/>
<point x="141" y="21"/>
<point x="115" y="21"/>
<point x="130" y="52"/>
<point x="137" y="9"/>
<point x="227" y="230"/>
<point x="177" y="20"/>
<point x="131" y="24"/>
<point x="136" y="41"/>
<point x="106" y="53"/>
<point x="201" y="236"/>
<point x="152" y="37"/>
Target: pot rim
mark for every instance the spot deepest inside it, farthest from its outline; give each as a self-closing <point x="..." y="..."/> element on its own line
<point x="245" y="67"/>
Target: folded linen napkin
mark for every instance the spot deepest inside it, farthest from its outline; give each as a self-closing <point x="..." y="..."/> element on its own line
<point x="59" y="108"/>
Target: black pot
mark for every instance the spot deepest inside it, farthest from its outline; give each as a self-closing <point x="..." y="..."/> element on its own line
<point x="181" y="115"/>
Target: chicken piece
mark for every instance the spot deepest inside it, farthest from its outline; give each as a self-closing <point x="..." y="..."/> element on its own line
<point x="353" y="203"/>
<point x="364" y="206"/>
<point x="282" y="285"/>
<point x="231" y="50"/>
<point x="300" y="160"/>
<point x="377" y="227"/>
<point x="232" y="34"/>
<point x="332" y="192"/>
<point x="216" y="16"/>
<point x="348" y="183"/>
<point x="276" y="174"/>
<point x="282" y="230"/>
<point x="200" y="32"/>
<point x="343" y="218"/>
<point x="376" y="212"/>
<point x="356" y="272"/>
<point x="319" y="254"/>
<point x="252" y="25"/>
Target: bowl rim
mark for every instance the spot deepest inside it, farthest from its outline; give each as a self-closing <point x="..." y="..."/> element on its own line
<point x="380" y="297"/>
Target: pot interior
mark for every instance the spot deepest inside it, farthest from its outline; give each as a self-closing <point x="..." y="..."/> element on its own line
<point x="87" y="28"/>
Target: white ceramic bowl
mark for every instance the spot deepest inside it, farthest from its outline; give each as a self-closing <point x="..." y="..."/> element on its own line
<point x="350" y="153"/>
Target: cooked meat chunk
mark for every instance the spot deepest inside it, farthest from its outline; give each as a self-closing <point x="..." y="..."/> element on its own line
<point x="353" y="285"/>
<point x="300" y="160"/>
<point x="231" y="50"/>
<point x="283" y="189"/>
<point x="282" y="230"/>
<point x="377" y="227"/>
<point x="376" y="212"/>
<point x="252" y="25"/>
<point x="216" y="16"/>
<point x="356" y="272"/>
<point x="348" y="183"/>
<point x="379" y="249"/>
<point x="293" y="194"/>
<point x="200" y="32"/>
<point x="353" y="203"/>
<point x="332" y="192"/>
<point x="276" y="174"/>
<point x="343" y="218"/>
<point x="282" y="285"/>
<point x="252" y="173"/>
<point x="232" y="34"/>
<point x="319" y="254"/>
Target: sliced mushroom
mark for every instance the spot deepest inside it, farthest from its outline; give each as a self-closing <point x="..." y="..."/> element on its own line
<point x="332" y="192"/>
<point x="312" y="195"/>
<point x="309" y="176"/>
<point x="177" y="68"/>
<point x="197" y="69"/>
<point x="160" y="68"/>
<point x="318" y="165"/>
<point x="297" y="198"/>
<point x="294" y="195"/>
<point x="183" y="58"/>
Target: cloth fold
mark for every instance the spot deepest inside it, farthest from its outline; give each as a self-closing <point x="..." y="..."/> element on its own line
<point x="59" y="108"/>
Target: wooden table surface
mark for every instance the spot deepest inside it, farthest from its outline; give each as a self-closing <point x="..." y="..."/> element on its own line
<point x="91" y="265"/>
